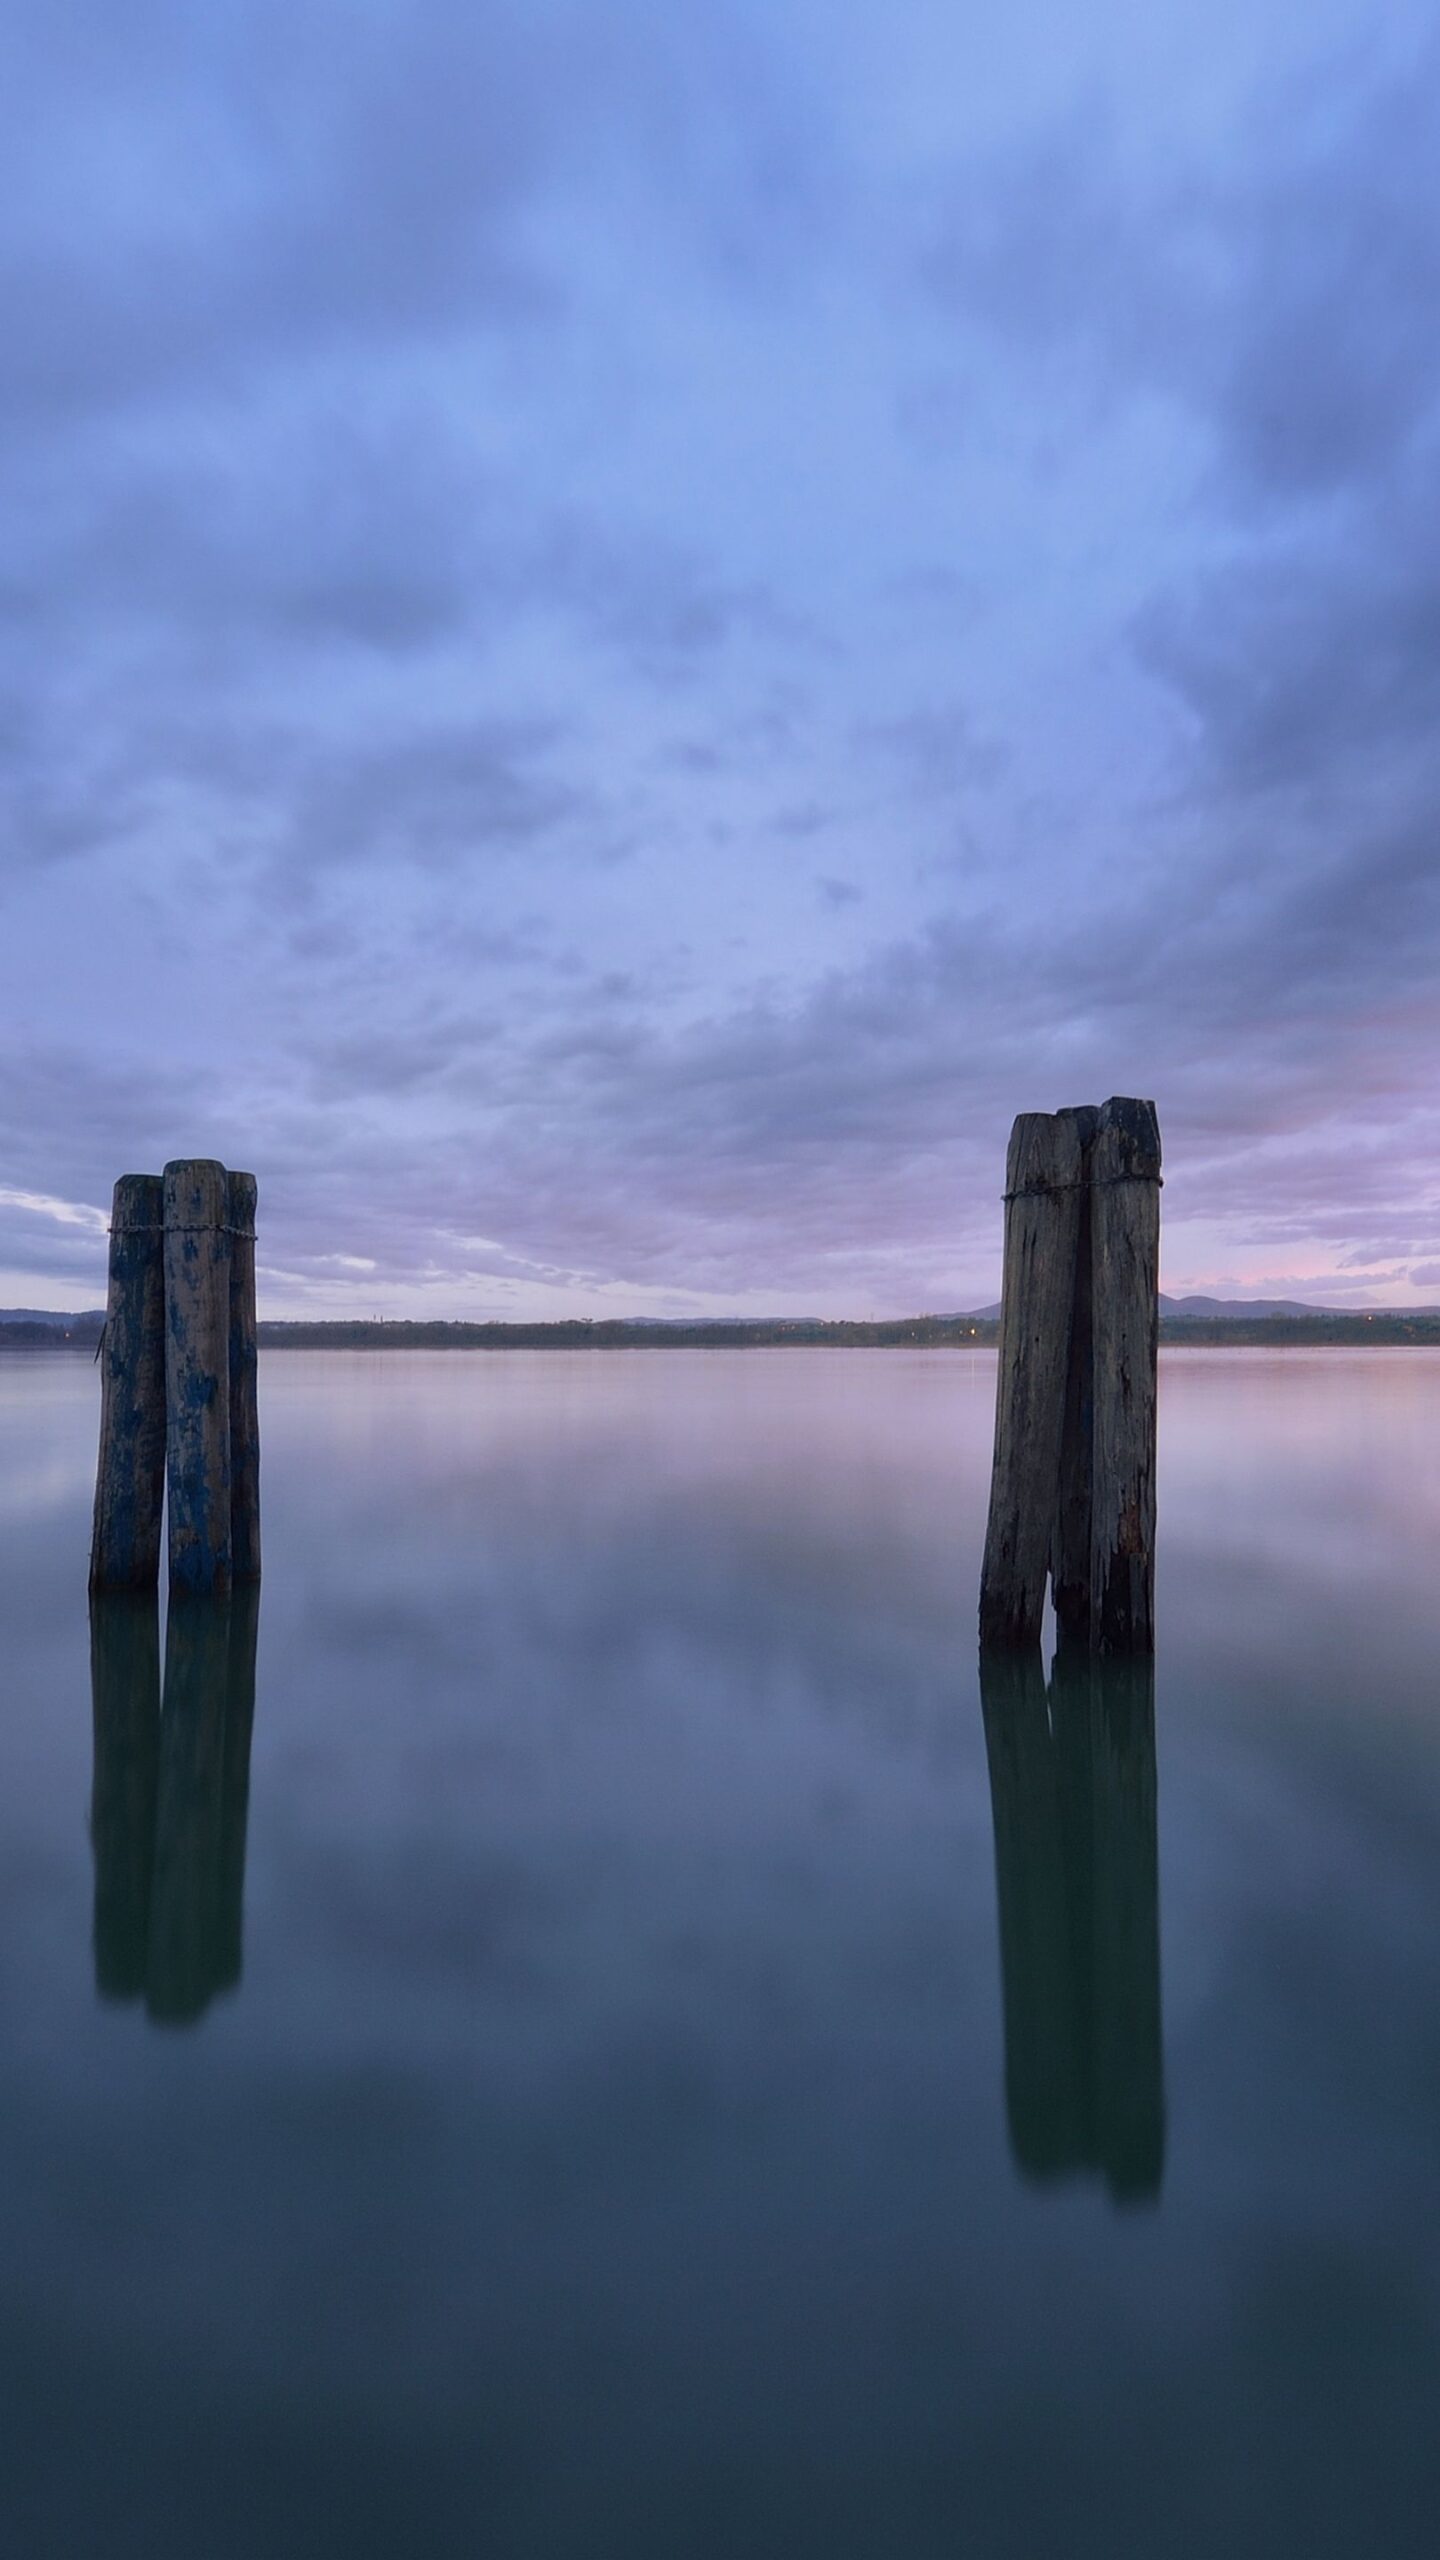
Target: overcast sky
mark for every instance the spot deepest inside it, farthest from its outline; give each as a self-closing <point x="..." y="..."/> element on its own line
<point x="623" y="627"/>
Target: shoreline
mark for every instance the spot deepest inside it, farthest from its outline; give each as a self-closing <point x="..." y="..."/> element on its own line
<point x="1382" y="1331"/>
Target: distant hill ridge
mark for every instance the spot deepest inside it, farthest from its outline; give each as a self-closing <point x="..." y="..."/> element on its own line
<point x="1223" y="1307"/>
<point x="1236" y="1310"/>
<point x="1192" y="1320"/>
<point x="41" y="1328"/>
<point x="49" y="1315"/>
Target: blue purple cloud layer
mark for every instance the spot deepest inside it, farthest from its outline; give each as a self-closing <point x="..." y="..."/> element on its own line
<point x="622" y="629"/>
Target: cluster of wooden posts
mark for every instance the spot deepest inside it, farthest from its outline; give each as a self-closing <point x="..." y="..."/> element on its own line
<point x="1072" y="1494"/>
<point x="178" y="1407"/>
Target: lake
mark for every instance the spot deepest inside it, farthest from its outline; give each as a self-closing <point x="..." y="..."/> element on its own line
<point x="590" y="2039"/>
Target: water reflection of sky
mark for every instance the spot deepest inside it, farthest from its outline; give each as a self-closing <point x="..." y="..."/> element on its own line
<point x="609" y="2146"/>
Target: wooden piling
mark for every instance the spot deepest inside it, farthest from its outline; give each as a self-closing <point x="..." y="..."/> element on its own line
<point x="244" y="1401"/>
<point x="197" y="1374"/>
<point x="1070" y="1551"/>
<point x="1042" y="1217"/>
<point x="130" y="1478"/>
<point x="1125" y="1280"/>
<point x="1073" y="1485"/>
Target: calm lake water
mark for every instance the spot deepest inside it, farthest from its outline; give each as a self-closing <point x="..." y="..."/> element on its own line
<point x="658" y="2068"/>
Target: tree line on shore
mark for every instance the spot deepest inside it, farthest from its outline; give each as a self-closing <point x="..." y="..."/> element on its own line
<point x="1381" y="1326"/>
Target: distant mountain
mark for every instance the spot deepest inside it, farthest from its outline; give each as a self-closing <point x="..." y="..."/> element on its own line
<point x="1243" y="1308"/>
<point x="698" y="1323"/>
<point x="1209" y="1310"/>
<point x="1192" y="1320"/>
<point x="64" y="1317"/>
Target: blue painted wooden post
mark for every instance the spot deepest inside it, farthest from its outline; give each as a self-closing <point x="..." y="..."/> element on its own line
<point x="197" y="1374"/>
<point x="244" y="1407"/>
<point x="130" y="1478"/>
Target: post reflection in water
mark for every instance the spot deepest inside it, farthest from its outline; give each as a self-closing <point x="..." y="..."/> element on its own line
<point x="169" y="1796"/>
<point x="1072" y="1790"/>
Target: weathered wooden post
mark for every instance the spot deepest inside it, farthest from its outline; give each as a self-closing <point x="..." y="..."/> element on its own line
<point x="1074" y="1502"/>
<point x="130" y="1478"/>
<point x="179" y="1403"/>
<point x="1125" y="1284"/>
<point x="197" y="1374"/>
<point x="244" y="1402"/>
<point x="1042" y="1219"/>
<point x="1073" y="1486"/>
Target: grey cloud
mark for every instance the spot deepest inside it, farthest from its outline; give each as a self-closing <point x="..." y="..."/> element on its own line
<point x="366" y="609"/>
<point x="876" y="1112"/>
<point x="258" y="297"/>
<point x="648" y="598"/>
<point x="852" y="1140"/>
<point x="62" y="794"/>
<point x="1282" y="290"/>
<point x="67" y="1128"/>
<point x="1278" y="295"/>
<point x="1306" y="658"/>
<point x="803" y="819"/>
<point x="772" y="730"/>
<point x="284" y="181"/>
<point x="263" y="798"/>
<point x="319" y="530"/>
<point x="396" y="1060"/>
<point x="1402" y="1244"/>
<point x="848" y="1147"/>
<point x="304" y="531"/>
<point x="175" y="612"/>
<point x="936" y="747"/>
<point x="1335" y="237"/>
<point x="435" y="796"/>
<point x="393" y="147"/>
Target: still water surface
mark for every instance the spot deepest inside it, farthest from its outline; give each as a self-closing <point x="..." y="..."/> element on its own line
<point x="596" y="2042"/>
